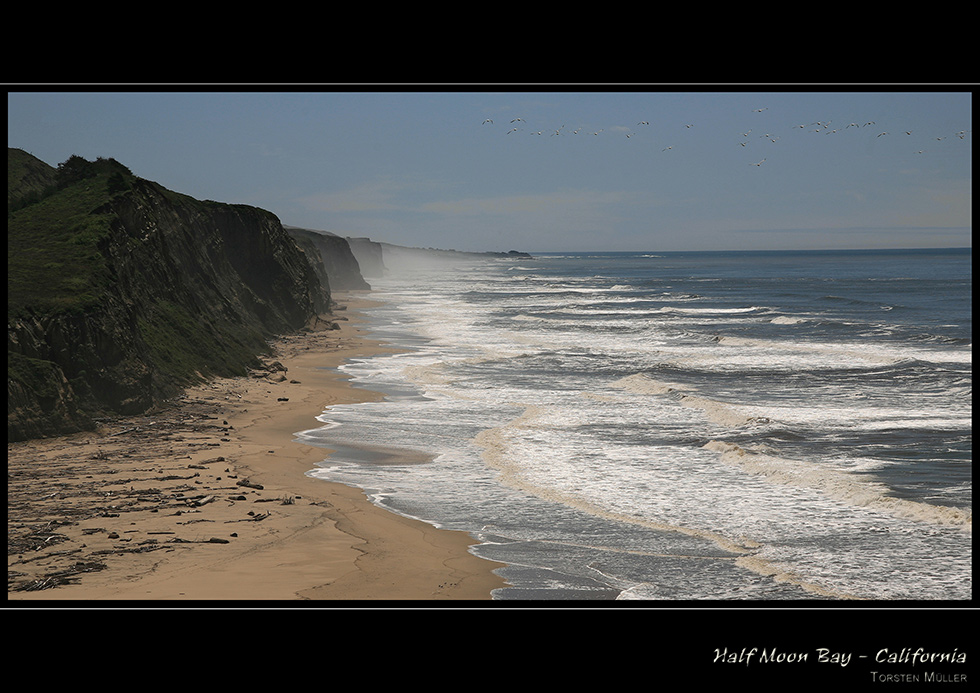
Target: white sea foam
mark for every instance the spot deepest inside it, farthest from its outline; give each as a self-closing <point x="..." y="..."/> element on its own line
<point x="839" y="484"/>
<point x="525" y="386"/>
<point x="849" y="354"/>
<point x="710" y="310"/>
<point x="644" y="384"/>
<point x="834" y="413"/>
<point x="499" y="454"/>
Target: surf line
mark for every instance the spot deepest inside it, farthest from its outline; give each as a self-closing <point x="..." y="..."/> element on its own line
<point x="840" y="485"/>
<point x="746" y="551"/>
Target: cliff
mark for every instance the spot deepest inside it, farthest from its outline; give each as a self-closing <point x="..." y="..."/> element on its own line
<point x="369" y="256"/>
<point x="378" y="258"/>
<point x="121" y="293"/>
<point x="335" y="256"/>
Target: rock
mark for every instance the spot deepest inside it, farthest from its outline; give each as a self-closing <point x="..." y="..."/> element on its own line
<point x="197" y="289"/>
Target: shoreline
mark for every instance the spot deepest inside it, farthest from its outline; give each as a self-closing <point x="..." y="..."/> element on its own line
<point x="209" y="500"/>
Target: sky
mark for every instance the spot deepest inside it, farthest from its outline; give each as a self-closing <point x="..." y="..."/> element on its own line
<point x="544" y="169"/>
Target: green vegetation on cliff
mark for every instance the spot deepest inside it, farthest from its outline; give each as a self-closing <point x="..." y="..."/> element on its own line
<point x="121" y="292"/>
<point x="53" y="258"/>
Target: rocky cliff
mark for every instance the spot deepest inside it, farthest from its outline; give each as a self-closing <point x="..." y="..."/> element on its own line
<point x="121" y="293"/>
<point x="369" y="256"/>
<point x="336" y="257"/>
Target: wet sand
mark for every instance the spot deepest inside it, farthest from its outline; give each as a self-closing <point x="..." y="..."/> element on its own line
<point x="208" y="499"/>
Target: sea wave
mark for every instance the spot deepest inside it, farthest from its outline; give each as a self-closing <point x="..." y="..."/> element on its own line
<point x="716" y="411"/>
<point x="709" y="310"/>
<point x="839" y="484"/>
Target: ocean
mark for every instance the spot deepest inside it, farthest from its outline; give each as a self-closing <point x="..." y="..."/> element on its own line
<point x="678" y="426"/>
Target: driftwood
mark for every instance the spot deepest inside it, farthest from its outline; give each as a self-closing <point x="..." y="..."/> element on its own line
<point x="61" y="577"/>
<point x="44" y="556"/>
<point x="253" y="518"/>
<point x="202" y="501"/>
<point x="111" y="481"/>
<point x="282" y="500"/>
<point x="127" y="430"/>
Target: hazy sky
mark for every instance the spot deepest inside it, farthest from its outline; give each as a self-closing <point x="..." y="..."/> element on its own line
<point x="636" y="168"/>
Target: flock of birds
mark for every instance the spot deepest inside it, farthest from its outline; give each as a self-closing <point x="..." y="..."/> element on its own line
<point x="824" y="127"/>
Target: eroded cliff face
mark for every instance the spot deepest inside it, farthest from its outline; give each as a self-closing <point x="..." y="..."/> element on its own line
<point x="224" y="261"/>
<point x="369" y="256"/>
<point x="195" y="289"/>
<point x="336" y="257"/>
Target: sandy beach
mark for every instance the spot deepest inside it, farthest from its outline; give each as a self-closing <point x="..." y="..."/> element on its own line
<point x="208" y="499"/>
